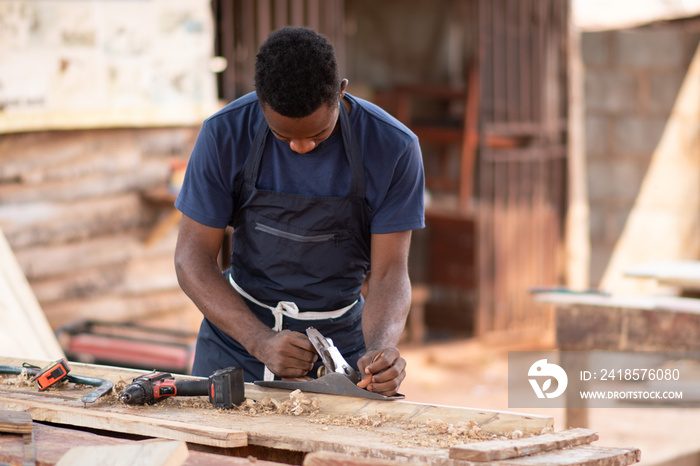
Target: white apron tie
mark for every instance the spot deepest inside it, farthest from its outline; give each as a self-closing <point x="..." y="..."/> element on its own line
<point x="289" y="309"/>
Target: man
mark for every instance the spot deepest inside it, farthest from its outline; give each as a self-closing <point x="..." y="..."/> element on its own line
<point x="311" y="179"/>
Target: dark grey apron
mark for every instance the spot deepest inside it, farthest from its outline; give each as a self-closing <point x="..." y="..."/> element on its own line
<point x="308" y="250"/>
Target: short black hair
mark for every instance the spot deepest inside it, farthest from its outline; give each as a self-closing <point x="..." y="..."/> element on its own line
<point x="296" y="72"/>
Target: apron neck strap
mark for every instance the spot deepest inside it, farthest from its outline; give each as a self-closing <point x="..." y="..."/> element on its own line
<point x="252" y="163"/>
<point x="352" y="153"/>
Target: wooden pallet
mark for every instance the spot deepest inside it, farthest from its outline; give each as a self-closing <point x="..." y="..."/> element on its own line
<point x="312" y="439"/>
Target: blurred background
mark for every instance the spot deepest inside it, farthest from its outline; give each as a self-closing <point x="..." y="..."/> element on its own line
<point x="560" y="140"/>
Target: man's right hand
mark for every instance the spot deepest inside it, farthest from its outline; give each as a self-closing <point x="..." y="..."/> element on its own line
<point x="288" y="354"/>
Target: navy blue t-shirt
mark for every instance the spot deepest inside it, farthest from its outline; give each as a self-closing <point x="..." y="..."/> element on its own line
<point x="391" y="156"/>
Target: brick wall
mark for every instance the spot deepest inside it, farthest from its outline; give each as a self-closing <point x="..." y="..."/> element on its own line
<point x="632" y="78"/>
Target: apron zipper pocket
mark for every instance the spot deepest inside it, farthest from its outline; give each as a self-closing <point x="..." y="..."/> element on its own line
<point x="294" y="237"/>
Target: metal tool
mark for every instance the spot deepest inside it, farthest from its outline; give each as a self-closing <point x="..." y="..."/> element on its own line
<point x="331" y="384"/>
<point x="103" y="385"/>
<point x="333" y="361"/>
<point x="340" y="377"/>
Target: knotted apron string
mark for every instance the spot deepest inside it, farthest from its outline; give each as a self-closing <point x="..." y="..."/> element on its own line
<point x="289" y="309"/>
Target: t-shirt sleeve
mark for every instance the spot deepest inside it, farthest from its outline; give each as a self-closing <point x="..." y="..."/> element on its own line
<point x="402" y="207"/>
<point x="206" y="195"/>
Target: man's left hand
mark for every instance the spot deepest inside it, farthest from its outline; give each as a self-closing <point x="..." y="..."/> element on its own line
<point x="383" y="371"/>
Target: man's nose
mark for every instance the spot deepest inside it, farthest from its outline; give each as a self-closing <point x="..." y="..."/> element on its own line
<point x="302" y="146"/>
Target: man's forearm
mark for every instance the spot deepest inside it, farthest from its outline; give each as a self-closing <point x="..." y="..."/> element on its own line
<point x="216" y="299"/>
<point x="386" y="308"/>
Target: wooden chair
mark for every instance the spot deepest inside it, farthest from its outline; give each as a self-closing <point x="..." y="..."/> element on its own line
<point x="449" y="129"/>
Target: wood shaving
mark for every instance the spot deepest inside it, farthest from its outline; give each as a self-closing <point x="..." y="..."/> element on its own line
<point x="431" y="433"/>
<point x="363" y="420"/>
<point x="298" y="404"/>
<point x="21" y="380"/>
<point x="440" y="434"/>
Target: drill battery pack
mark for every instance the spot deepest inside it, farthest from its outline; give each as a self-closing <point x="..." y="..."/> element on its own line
<point x="226" y="388"/>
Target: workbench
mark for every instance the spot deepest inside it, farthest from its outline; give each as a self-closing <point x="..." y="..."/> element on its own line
<point x="682" y="274"/>
<point x="590" y="321"/>
<point x="344" y="430"/>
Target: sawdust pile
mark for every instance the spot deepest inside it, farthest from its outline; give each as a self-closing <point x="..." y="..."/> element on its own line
<point x="431" y="433"/>
<point x="19" y="380"/>
<point x="298" y="404"/>
<point x="364" y="421"/>
<point x="440" y="434"/>
<point x="111" y="398"/>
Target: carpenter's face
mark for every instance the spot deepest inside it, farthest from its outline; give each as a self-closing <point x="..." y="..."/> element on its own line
<point x="303" y="134"/>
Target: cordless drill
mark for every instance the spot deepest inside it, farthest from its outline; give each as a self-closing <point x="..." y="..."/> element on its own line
<point x="224" y="388"/>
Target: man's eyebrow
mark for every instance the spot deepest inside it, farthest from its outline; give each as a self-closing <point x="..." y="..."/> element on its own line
<point x="315" y="135"/>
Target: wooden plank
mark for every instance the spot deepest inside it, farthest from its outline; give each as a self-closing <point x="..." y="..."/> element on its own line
<point x="161" y="453"/>
<point x="586" y="322"/>
<point x="586" y="455"/>
<point x="47" y="260"/>
<point x="127" y="423"/>
<point x="490" y="421"/>
<point x="150" y="172"/>
<point x="173" y="418"/>
<point x="53" y="222"/>
<point x="137" y="276"/>
<point x="664" y="214"/>
<point x="504" y="449"/>
<point x="685" y="274"/>
<point x="330" y="458"/>
<point x="642" y="302"/>
<point x="15" y="422"/>
<point x="53" y="442"/>
<point x="279" y="432"/>
<point x="162" y="228"/>
<point x="120" y="308"/>
<point x="586" y="328"/>
<point x="24" y="330"/>
<point x="577" y="238"/>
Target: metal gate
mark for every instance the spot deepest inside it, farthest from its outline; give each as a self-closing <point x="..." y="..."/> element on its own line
<point x="521" y="167"/>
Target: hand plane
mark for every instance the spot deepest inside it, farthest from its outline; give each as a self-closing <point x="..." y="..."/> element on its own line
<point x="340" y="377"/>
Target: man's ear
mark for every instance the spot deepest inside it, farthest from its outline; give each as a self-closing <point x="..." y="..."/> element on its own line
<point x="343" y="86"/>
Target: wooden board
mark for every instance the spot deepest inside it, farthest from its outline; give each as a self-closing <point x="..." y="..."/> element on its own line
<point x="618" y="323"/>
<point x="684" y="274"/>
<point x="587" y="455"/>
<point x="161" y="453"/>
<point x="53" y="442"/>
<point x="504" y="449"/>
<point x="587" y="322"/>
<point x="581" y="456"/>
<point x="663" y="224"/>
<point x="15" y="422"/>
<point x="24" y="330"/>
<point x="206" y="425"/>
<point x="641" y="302"/>
<point x="330" y="458"/>
<point x="199" y="423"/>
